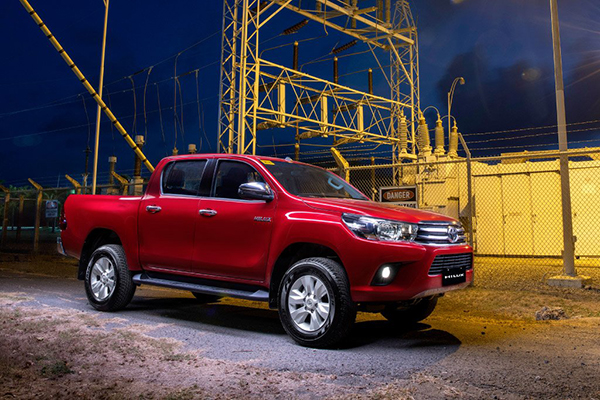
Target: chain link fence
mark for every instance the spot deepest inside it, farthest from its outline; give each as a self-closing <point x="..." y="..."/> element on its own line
<point x="29" y="217"/>
<point x="514" y="214"/>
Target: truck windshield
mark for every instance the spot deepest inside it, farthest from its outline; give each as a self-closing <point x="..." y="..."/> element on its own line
<point x="308" y="181"/>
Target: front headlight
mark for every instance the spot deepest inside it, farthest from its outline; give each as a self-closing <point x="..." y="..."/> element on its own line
<point x="380" y="229"/>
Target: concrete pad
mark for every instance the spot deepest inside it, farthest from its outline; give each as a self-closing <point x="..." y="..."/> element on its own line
<point x="568" y="281"/>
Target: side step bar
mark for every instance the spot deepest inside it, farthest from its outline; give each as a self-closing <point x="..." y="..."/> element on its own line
<point x="258" y="295"/>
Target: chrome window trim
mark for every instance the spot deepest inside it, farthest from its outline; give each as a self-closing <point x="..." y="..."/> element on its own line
<point x="214" y="182"/>
<point x="236" y="200"/>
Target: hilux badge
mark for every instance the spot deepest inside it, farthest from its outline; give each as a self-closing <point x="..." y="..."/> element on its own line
<point x="262" y="219"/>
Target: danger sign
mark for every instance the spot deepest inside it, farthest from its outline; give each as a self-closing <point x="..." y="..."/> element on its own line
<point x="402" y="195"/>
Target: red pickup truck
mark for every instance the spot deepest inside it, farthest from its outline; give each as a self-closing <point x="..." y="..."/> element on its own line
<point x="260" y="228"/>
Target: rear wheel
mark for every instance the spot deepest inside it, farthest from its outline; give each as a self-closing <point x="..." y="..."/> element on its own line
<point x="315" y="306"/>
<point x="412" y="314"/>
<point x="205" y="298"/>
<point x="108" y="283"/>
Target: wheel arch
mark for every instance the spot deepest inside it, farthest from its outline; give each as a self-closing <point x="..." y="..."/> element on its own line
<point x="291" y="254"/>
<point x="96" y="238"/>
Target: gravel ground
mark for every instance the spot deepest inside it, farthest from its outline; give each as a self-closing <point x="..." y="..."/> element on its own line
<point x="478" y="344"/>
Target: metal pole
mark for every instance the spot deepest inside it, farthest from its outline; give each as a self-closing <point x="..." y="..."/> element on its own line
<point x="449" y="125"/>
<point x="460" y="80"/>
<point x="569" y="247"/>
<point x="469" y="189"/>
<point x="99" y="109"/>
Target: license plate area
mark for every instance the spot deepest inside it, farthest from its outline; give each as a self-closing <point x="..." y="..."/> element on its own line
<point x="454" y="276"/>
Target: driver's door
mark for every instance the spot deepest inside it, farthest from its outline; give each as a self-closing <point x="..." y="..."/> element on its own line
<point x="232" y="234"/>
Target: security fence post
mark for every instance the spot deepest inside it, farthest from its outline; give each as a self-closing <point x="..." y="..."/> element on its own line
<point x="74" y="183"/>
<point x="38" y="215"/>
<point x="341" y="163"/>
<point x="124" y="182"/>
<point x="20" y="218"/>
<point x="469" y="188"/>
<point x="373" y="188"/>
<point x="5" y="216"/>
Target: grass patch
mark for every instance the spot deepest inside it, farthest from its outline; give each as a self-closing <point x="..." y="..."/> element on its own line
<point x="519" y="305"/>
<point x="57" y="369"/>
<point x="178" y="357"/>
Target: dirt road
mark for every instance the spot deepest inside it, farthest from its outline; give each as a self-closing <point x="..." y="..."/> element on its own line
<point x="478" y="344"/>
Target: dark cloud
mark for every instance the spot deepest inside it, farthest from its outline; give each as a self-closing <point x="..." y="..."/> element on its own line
<point x="498" y="98"/>
<point x="583" y="89"/>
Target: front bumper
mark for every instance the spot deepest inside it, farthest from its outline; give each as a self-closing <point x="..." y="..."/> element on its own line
<point x="412" y="280"/>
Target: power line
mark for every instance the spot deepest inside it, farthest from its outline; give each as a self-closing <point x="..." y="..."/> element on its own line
<point x="532" y="145"/>
<point x="532" y="135"/>
<point x="54" y="103"/>
<point x="87" y="125"/>
<point x="529" y="129"/>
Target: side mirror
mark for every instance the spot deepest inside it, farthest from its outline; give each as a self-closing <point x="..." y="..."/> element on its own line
<point x="256" y="191"/>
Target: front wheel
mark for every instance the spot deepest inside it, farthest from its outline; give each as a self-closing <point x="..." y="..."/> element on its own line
<point x="108" y="283"/>
<point x="412" y="314"/>
<point x="315" y="306"/>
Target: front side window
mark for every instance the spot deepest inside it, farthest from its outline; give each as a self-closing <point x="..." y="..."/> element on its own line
<point x="183" y="177"/>
<point x="230" y="175"/>
<point x="308" y="181"/>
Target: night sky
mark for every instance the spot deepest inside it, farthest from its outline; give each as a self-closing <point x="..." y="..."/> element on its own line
<point x="502" y="48"/>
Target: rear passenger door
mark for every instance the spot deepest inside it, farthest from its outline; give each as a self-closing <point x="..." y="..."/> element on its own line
<point x="167" y="221"/>
<point x="232" y="234"/>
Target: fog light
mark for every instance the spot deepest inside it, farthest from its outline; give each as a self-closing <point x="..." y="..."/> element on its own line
<point x="385" y="274"/>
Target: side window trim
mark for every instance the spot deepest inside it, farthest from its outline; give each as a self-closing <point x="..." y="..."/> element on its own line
<point x="213" y="189"/>
<point x="172" y="163"/>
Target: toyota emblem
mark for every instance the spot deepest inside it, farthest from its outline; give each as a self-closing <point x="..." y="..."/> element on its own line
<point x="452" y="234"/>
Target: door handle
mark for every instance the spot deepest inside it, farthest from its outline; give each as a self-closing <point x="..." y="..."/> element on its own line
<point x="153" y="209"/>
<point x="207" y="212"/>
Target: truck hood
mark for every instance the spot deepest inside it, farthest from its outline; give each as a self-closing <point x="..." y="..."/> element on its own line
<point x="374" y="209"/>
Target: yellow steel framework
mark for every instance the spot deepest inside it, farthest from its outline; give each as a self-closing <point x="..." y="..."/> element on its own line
<point x="258" y="94"/>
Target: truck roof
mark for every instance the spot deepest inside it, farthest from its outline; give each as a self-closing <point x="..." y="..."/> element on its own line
<point x="227" y="155"/>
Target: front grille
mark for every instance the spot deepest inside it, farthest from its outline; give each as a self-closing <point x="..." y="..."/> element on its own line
<point x="440" y="233"/>
<point x="451" y="261"/>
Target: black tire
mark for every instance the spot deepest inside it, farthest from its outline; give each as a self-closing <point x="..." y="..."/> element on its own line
<point x="336" y="326"/>
<point x="206" y="298"/>
<point x="124" y="288"/>
<point x="412" y="314"/>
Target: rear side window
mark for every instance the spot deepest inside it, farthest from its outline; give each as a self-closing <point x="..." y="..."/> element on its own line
<point x="183" y="177"/>
<point x="230" y="175"/>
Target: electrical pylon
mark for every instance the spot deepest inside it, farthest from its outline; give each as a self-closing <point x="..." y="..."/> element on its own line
<point x="257" y="94"/>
